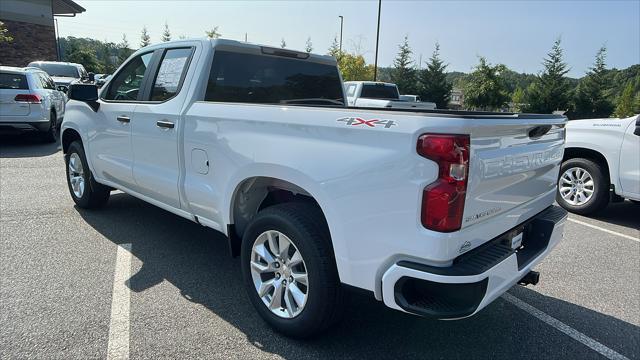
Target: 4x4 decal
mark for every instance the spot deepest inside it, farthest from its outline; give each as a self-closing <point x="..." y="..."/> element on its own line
<point x="356" y="121"/>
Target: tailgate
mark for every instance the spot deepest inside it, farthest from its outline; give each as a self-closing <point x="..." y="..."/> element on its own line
<point x="512" y="164"/>
<point x="10" y="107"/>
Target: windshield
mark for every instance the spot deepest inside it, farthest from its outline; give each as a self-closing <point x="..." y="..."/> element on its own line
<point x="380" y="91"/>
<point x="58" y="69"/>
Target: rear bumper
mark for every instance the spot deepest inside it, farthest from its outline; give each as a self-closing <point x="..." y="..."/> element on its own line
<point x="25" y="126"/>
<point x="475" y="278"/>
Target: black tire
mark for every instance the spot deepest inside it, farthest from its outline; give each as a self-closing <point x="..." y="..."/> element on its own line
<point x="51" y="135"/>
<point x="304" y="224"/>
<point x="95" y="195"/>
<point x="637" y="202"/>
<point x="600" y="197"/>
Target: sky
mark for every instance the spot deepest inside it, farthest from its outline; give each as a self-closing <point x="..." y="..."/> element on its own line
<point x="515" y="33"/>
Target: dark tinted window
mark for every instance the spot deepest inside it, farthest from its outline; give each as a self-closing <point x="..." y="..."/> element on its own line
<point x="265" y="79"/>
<point x="126" y="84"/>
<point x="170" y="74"/>
<point x="379" y="91"/>
<point x="58" y="69"/>
<point x="13" y="81"/>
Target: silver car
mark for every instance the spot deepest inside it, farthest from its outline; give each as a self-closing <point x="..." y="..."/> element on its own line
<point x="62" y="73"/>
<point x="29" y="101"/>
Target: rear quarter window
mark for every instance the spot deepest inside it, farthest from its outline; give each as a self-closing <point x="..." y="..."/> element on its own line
<point x="262" y="79"/>
<point x="13" y="81"/>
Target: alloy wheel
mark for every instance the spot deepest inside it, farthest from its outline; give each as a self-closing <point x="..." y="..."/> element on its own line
<point x="576" y="186"/>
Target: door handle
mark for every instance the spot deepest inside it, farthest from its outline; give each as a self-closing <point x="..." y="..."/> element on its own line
<point x="165" y="124"/>
<point x="123" y="119"/>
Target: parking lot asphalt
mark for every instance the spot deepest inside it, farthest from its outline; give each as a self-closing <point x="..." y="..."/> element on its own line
<point x="57" y="266"/>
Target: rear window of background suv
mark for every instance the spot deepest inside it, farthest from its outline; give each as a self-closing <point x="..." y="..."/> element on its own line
<point x="262" y="79"/>
<point x="13" y="81"/>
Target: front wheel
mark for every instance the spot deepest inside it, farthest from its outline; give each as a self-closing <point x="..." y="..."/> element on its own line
<point x="84" y="190"/>
<point x="582" y="187"/>
<point x="289" y="270"/>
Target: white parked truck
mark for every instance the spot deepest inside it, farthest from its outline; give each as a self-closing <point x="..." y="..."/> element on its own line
<point x="382" y="95"/>
<point x="601" y="164"/>
<point x="436" y="213"/>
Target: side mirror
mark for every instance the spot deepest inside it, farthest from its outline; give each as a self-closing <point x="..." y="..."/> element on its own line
<point x="86" y="93"/>
<point x="62" y="88"/>
<point x="92" y="77"/>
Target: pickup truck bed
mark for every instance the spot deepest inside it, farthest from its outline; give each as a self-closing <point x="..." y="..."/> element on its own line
<point x="312" y="196"/>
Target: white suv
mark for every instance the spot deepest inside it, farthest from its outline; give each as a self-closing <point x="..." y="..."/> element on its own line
<point x="29" y="101"/>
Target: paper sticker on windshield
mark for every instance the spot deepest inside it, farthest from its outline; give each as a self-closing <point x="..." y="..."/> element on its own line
<point x="356" y="121"/>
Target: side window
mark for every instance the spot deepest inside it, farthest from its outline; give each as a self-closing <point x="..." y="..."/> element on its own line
<point x="46" y="82"/>
<point x="126" y="84"/>
<point x="351" y="90"/>
<point x="172" y="69"/>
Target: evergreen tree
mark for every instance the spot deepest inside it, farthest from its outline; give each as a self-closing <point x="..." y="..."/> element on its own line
<point x="518" y="99"/>
<point x="166" y="34"/>
<point x="308" y="46"/>
<point x="626" y="106"/>
<point x="123" y="49"/>
<point x="550" y="91"/>
<point x="213" y="33"/>
<point x="334" y="49"/>
<point x="145" y="39"/>
<point x="403" y="74"/>
<point x="433" y="83"/>
<point x="485" y="89"/>
<point x="283" y="44"/>
<point x="591" y="100"/>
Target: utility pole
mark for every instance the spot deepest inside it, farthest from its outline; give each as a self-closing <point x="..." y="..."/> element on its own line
<point x="341" y="23"/>
<point x="375" y="65"/>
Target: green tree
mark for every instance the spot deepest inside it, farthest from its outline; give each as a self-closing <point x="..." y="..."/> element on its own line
<point x="213" y="33"/>
<point x="166" y="34"/>
<point x="433" y="83"/>
<point x="626" y="103"/>
<point x="123" y="49"/>
<point x="518" y="98"/>
<point x="283" y="44"/>
<point x="353" y="67"/>
<point x="334" y="49"/>
<point x="4" y="34"/>
<point x="485" y="89"/>
<point x="403" y="74"/>
<point x="145" y="39"/>
<point x="550" y="91"/>
<point x="87" y="58"/>
<point x="308" y="46"/>
<point x="591" y="99"/>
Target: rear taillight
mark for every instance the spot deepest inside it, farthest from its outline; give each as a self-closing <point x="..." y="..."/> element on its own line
<point x="443" y="200"/>
<point x="28" y="98"/>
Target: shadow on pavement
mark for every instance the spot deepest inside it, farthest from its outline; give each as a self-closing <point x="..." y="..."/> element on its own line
<point x="195" y="260"/>
<point x="623" y="213"/>
<point x="26" y="145"/>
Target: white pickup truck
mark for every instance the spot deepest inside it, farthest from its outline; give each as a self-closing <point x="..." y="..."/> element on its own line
<point x="377" y="94"/>
<point x="435" y="213"/>
<point x="601" y="164"/>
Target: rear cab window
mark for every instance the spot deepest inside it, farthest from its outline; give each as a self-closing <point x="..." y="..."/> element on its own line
<point x="379" y="91"/>
<point x="265" y="79"/>
<point x="13" y="81"/>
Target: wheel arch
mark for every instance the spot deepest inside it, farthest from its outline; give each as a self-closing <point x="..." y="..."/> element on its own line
<point x="69" y="135"/>
<point x="590" y="154"/>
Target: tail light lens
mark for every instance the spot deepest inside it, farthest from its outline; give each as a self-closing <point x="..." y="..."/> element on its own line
<point x="443" y="200"/>
<point x="28" y="98"/>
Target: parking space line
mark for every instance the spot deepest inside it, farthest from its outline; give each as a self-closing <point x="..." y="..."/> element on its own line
<point x="605" y="230"/>
<point x="118" y="347"/>
<point x="566" y="329"/>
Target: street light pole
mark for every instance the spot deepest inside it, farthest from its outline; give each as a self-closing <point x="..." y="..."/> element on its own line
<point x="375" y="65"/>
<point x="341" y="22"/>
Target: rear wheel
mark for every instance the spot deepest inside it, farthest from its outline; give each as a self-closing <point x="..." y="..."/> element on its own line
<point x="289" y="270"/>
<point x="51" y="135"/>
<point x="582" y="187"/>
<point x="84" y="190"/>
